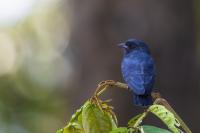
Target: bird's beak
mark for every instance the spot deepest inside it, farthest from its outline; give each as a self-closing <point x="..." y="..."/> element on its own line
<point x="122" y="45"/>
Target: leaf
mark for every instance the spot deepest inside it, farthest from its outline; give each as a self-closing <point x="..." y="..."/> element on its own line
<point x="133" y="120"/>
<point x="153" y="129"/>
<point x="72" y="129"/>
<point x="75" y="124"/>
<point x="137" y="120"/>
<point x="60" y="131"/>
<point x="91" y="119"/>
<point x="120" y="130"/>
<point x="77" y="117"/>
<point x="166" y="116"/>
<point x="143" y="129"/>
<point x="96" y="121"/>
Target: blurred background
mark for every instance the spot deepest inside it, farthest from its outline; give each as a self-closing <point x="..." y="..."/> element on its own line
<point x="54" y="52"/>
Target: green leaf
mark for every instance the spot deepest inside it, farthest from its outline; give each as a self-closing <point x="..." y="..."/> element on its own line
<point x="75" y="123"/>
<point x="96" y="121"/>
<point x="72" y="129"/>
<point x="166" y="116"/>
<point x="132" y="121"/>
<point x="120" y="130"/>
<point x="153" y="129"/>
<point x="77" y="117"/>
<point x="137" y="120"/>
<point x="60" y="131"/>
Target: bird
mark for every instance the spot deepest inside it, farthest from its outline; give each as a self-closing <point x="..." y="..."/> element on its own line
<point x="138" y="70"/>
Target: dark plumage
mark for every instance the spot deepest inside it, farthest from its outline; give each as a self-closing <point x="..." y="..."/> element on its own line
<point x="138" y="70"/>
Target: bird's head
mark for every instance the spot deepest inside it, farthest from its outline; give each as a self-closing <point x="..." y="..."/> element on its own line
<point x="134" y="44"/>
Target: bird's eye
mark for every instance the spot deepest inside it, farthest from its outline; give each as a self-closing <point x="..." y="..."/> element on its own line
<point x="131" y="46"/>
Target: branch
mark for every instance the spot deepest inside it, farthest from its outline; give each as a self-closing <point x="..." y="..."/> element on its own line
<point x="104" y="85"/>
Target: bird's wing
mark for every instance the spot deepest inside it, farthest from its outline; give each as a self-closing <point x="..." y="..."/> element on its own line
<point x="141" y="73"/>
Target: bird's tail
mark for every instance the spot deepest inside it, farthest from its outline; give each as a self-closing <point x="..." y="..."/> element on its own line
<point x="142" y="100"/>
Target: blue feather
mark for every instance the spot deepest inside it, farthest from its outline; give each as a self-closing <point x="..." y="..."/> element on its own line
<point x="138" y="70"/>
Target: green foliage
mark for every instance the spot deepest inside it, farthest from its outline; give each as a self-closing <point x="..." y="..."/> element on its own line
<point x="96" y="116"/>
<point x="166" y="116"/>
<point x="120" y="130"/>
<point x="96" y="121"/>
<point x="93" y="117"/>
<point x="90" y="118"/>
<point x="60" y="131"/>
<point x="141" y="129"/>
<point x="152" y="129"/>
<point x="135" y="121"/>
<point x="75" y="124"/>
<point x="72" y="129"/>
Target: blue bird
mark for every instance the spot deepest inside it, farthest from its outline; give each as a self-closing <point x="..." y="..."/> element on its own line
<point x="138" y="70"/>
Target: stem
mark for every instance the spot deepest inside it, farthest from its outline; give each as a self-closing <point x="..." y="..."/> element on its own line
<point x="104" y="85"/>
<point x="139" y="120"/>
<point x="100" y="91"/>
<point x="163" y="102"/>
